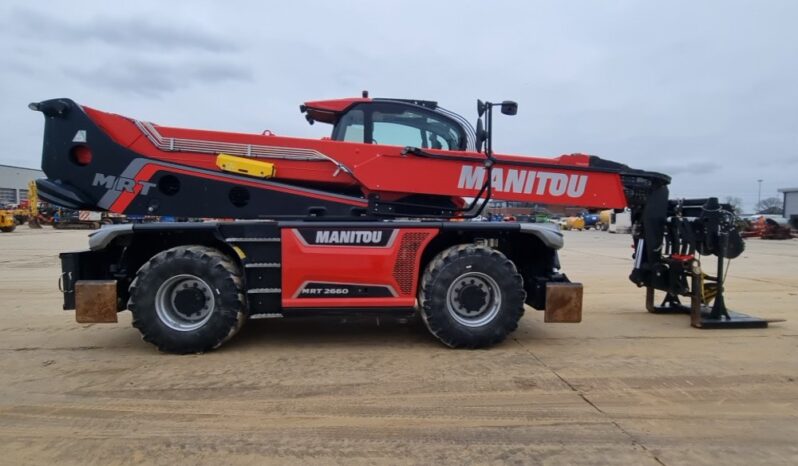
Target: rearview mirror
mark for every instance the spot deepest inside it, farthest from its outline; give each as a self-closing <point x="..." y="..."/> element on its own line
<point x="481" y="107"/>
<point x="509" y="107"/>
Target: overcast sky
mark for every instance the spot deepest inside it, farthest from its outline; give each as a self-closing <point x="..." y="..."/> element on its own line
<point x="706" y="91"/>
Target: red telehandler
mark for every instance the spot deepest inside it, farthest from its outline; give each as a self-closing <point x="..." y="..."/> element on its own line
<point x="360" y="222"/>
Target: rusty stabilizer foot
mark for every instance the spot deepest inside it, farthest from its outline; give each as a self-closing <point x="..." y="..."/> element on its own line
<point x="563" y="302"/>
<point x="95" y="301"/>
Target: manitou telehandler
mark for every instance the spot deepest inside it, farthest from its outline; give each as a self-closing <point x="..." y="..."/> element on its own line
<point x="373" y="219"/>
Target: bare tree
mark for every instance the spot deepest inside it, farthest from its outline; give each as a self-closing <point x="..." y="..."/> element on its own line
<point x="770" y="205"/>
<point x="736" y="204"/>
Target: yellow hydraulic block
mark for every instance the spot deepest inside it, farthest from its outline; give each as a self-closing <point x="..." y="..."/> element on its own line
<point x="708" y="290"/>
<point x="245" y="166"/>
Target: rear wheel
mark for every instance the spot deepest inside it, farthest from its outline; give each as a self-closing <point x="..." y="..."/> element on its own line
<point x="8" y="229"/>
<point x="471" y="296"/>
<point x="188" y="299"/>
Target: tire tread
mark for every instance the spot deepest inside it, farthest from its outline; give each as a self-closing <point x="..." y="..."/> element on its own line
<point x="227" y="323"/>
<point x="434" y="315"/>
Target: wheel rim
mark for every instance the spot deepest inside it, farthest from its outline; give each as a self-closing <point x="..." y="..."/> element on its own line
<point x="473" y="299"/>
<point x="184" y="302"/>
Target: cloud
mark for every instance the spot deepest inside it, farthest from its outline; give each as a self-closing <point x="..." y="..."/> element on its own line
<point x="128" y="32"/>
<point x="698" y="168"/>
<point x="704" y="91"/>
<point x="780" y="161"/>
<point x="150" y="78"/>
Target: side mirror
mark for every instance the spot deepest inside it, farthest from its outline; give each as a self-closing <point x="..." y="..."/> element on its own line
<point x="481" y="107"/>
<point x="509" y="107"/>
<point x="481" y="135"/>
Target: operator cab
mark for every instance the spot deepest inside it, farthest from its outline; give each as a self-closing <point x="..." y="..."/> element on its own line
<point x="394" y="122"/>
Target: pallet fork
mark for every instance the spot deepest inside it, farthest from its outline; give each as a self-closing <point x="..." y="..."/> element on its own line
<point x="703" y="290"/>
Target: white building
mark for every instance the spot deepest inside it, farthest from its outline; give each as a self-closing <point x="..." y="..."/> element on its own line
<point x="790" y="201"/>
<point x="14" y="183"/>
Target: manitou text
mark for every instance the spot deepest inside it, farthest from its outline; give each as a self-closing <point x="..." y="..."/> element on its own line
<point x="511" y="180"/>
<point x="348" y="237"/>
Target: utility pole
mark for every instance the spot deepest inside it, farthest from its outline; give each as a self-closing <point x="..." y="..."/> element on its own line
<point x="759" y="195"/>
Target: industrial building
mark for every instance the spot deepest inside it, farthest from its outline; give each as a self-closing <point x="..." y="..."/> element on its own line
<point x="14" y="183"/>
<point x="790" y="202"/>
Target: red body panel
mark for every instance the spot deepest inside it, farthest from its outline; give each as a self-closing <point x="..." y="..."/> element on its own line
<point x="319" y="108"/>
<point x="559" y="182"/>
<point x="395" y="265"/>
<point x="124" y="131"/>
<point x="374" y="168"/>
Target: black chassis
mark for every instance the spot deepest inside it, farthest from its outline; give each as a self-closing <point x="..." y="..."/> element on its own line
<point x="117" y="252"/>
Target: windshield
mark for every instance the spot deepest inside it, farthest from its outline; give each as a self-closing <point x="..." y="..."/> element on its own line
<point x="399" y="124"/>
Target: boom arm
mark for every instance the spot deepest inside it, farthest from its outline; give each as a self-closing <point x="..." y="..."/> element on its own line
<point x="97" y="160"/>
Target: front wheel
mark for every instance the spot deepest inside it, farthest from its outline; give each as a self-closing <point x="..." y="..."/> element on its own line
<point x="471" y="296"/>
<point x="188" y="299"/>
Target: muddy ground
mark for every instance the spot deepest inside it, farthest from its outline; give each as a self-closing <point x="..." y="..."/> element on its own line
<point x="623" y="386"/>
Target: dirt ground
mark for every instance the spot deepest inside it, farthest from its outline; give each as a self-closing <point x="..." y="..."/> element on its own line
<point x="624" y="386"/>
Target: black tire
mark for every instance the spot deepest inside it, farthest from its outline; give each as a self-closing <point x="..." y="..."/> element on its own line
<point x="191" y="275"/>
<point x="8" y="229"/>
<point x="471" y="272"/>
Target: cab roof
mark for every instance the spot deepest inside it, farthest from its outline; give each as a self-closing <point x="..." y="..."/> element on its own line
<point x="327" y="111"/>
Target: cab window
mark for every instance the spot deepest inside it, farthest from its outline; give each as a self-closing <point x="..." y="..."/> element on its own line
<point x="353" y="125"/>
<point x="394" y="134"/>
<point x="399" y="125"/>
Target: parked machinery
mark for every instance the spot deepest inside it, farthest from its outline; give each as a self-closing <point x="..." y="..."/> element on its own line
<point x="7" y="221"/>
<point x="355" y="223"/>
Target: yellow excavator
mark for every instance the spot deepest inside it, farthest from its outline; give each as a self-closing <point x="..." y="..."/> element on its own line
<point x="35" y="219"/>
<point x="10" y="218"/>
<point x="29" y="213"/>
